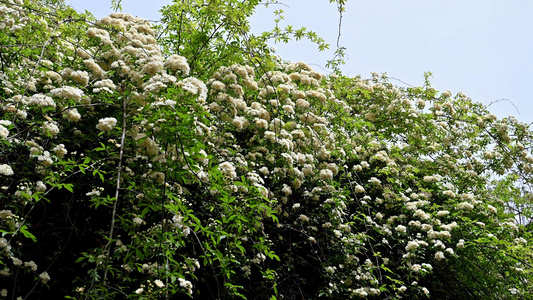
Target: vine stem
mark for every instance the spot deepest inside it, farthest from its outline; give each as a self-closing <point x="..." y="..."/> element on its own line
<point x="117" y="190"/>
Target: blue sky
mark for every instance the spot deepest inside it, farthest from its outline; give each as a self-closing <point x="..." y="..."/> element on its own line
<point x="483" y="48"/>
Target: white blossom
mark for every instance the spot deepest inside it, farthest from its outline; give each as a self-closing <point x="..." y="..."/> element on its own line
<point x="228" y="169"/>
<point x="106" y="124"/>
<point x="326" y="174"/>
<point x="159" y="283"/>
<point x="401" y="228"/>
<point x="67" y="92"/>
<point x="177" y="63"/>
<point x="44" y="277"/>
<point x="50" y="128"/>
<point x="6" y="170"/>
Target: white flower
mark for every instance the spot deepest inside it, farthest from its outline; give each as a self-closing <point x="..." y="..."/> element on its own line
<point x="302" y="103"/>
<point x="106" y="124"/>
<point x="104" y="85"/>
<point x="94" y="32"/>
<point x="67" y="92"/>
<point x="228" y="169"/>
<point x="33" y="266"/>
<point x="41" y="100"/>
<point x="153" y="66"/>
<point x="81" y="77"/>
<point x="177" y="63"/>
<point x="50" y="128"/>
<point x="426" y="227"/>
<point x="359" y="189"/>
<point x="44" y="277"/>
<point x="421" y="214"/>
<point x="45" y="159"/>
<point x="16" y="261"/>
<point x="449" y="193"/>
<point x="4" y="244"/>
<point x="195" y="86"/>
<point x="95" y="192"/>
<point x="433" y="178"/>
<point x="217" y="85"/>
<point x="442" y="213"/>
<point x="304" y="218"/>
<point x="411" y="245"/>
<point x="6" y="170"/>
<point x="401" y="228"/>
<point x="286" y="190"/>
<point x="465" y="206"/>
<point x="368" y="263"/>
<point x="3" y="131"/>
<point x="288" y="109"/>
<point x="139" y="291"/>
<point x="40" y="186"/>
<point x="60" y="150"/>
<point x="326" y="174"/>
<point x="72" y="115"/>
<point x="137" y="221"/>
<point x="439" y="255"/>
<point x="159" y="283"/>
<point x="95" y="68"/>
<point x="240" y="122"/>
<point x="186" y="284"/>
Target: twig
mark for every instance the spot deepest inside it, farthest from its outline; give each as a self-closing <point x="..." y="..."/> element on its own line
<point x="117" y="191"/>
<point x="504" y="99"/>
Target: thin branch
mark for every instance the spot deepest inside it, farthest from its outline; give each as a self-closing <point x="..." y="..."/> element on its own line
<point x="504" y="99"/>
<point x="117" y="190"/>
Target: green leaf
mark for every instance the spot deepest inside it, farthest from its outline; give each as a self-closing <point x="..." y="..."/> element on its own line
<point x="27" y="234"/>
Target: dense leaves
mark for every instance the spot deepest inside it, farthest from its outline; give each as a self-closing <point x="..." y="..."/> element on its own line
<point x="185" y="160"/>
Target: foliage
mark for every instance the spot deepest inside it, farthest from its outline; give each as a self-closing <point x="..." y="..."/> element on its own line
<point x="185" y="160"/>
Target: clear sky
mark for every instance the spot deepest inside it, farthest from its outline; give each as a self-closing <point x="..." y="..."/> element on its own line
<point x="483" y="48"/>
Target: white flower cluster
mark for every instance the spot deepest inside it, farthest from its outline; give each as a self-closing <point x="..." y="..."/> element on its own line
<point x="186" y="284"/>
<point x="6" y="170"/>
<point x="177" y="63"/>
<point x="67" y="92"/>
<point x="106" y="124"/>
<point x="195" y="86"/>
<point x="80" y="77"/>
<point x="104" y="85"/>
<point x="50" y="128"/>
<point x="41" y="101"/>
<point x="228" y="169"/>
<point x="4" y="132"/>
<point x="44" y="277"/>
<point x="60" y="150"/>
<point x="72" y="115"/>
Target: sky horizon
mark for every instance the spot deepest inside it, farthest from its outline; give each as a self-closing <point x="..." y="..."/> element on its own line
<point x="480" y="48"/>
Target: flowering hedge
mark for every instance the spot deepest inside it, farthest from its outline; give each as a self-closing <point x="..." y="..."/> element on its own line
<point x="169" y="161"/>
